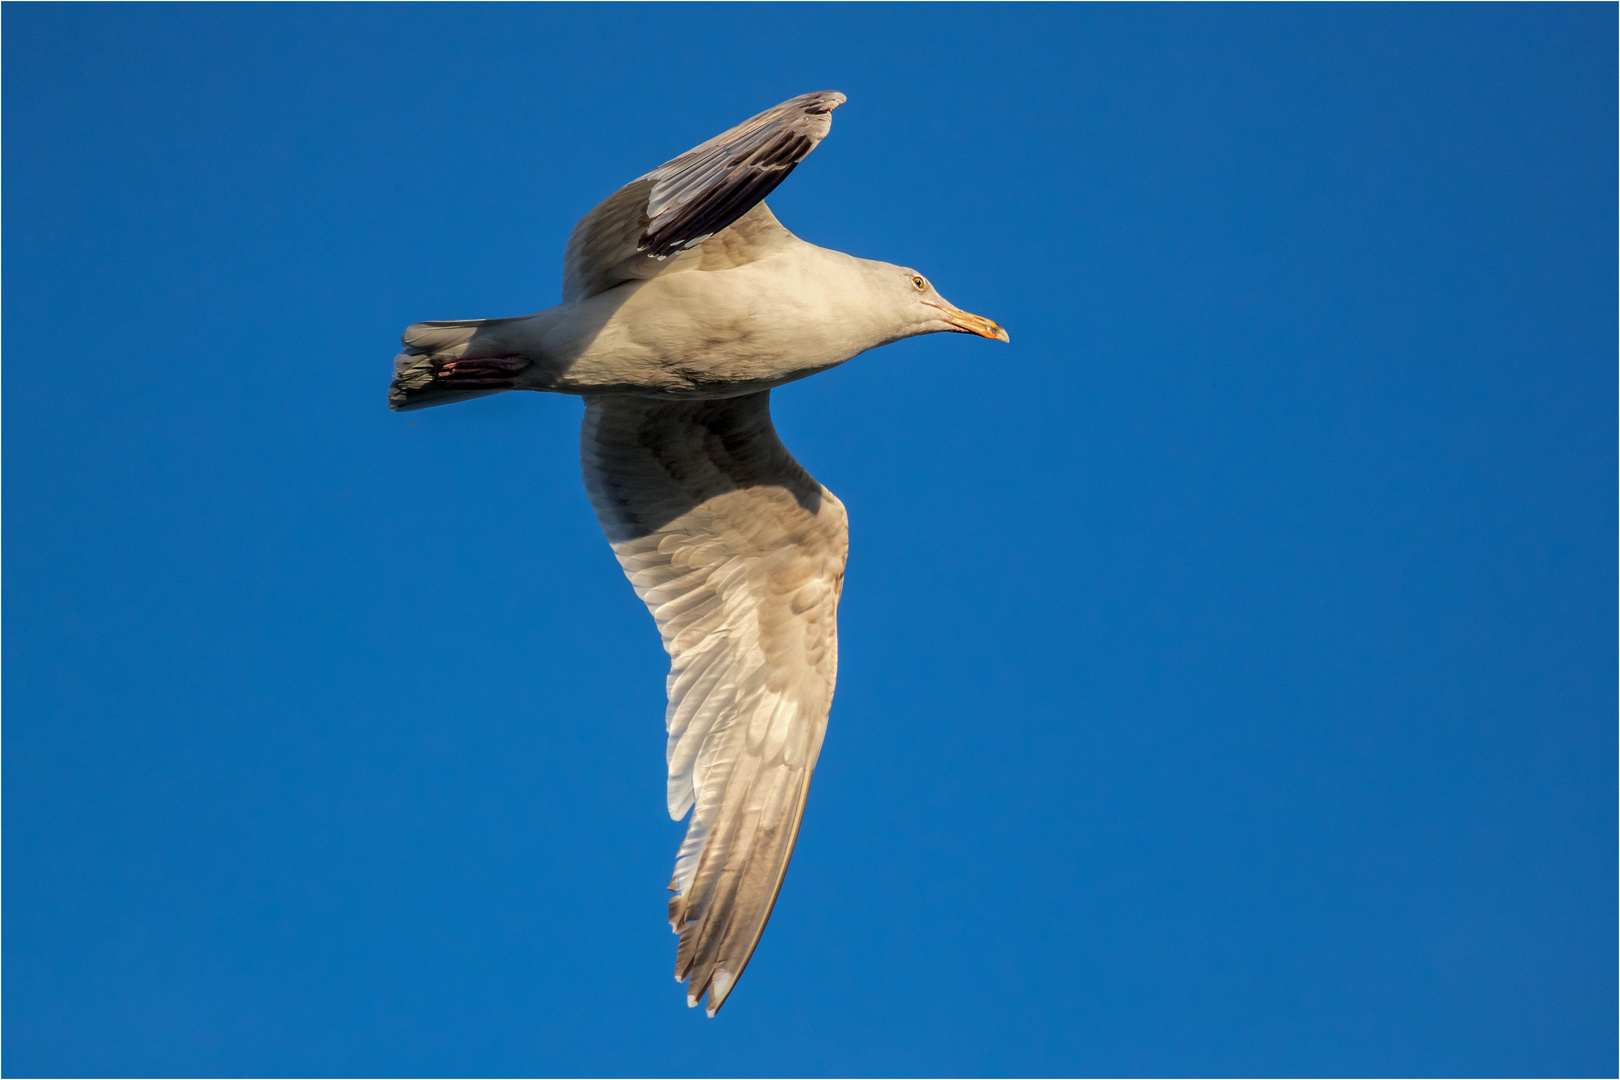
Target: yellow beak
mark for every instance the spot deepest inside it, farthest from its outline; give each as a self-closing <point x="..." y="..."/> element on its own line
<point x="975" y="324"/>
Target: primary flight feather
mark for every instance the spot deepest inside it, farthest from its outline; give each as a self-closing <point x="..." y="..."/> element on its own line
<point x="684" y="303"/>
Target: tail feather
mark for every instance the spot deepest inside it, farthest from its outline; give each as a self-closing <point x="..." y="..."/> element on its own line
<point x="443" y="362"/>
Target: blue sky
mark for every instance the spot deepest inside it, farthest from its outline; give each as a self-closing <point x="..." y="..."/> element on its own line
<point x="1227" y="664"/>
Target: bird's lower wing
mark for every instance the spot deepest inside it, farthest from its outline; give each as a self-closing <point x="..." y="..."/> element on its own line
<point x="739" y="554"/>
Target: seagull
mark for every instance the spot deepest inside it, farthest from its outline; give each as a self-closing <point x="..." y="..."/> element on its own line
<point x="684" y="303"/>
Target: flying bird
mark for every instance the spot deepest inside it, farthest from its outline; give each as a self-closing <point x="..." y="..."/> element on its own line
<point x="684" y="303"/>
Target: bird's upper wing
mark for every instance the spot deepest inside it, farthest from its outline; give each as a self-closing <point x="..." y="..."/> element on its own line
<point x="687" y="200"/>
<point x="739" y="554"/>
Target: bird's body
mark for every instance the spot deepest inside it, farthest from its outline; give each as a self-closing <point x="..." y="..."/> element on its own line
<point x="748" y="309"/>
<point x="707" y="327"/>
<point x="684" y="303"/>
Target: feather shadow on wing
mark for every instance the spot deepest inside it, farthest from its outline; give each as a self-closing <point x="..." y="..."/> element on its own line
<point x="739" y="554"/>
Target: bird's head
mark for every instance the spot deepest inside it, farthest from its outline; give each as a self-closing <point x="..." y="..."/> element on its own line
<point x="927" y="312"/>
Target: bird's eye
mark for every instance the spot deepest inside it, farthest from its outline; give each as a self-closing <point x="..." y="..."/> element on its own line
<point x="920" y="283"/>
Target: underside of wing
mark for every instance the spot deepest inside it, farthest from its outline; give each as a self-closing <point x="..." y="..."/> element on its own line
<point x="686" y="200"/>
<point x="739" y="555"/>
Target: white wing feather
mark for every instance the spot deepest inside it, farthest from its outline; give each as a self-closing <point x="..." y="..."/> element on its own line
<point x="739" y="555"/>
